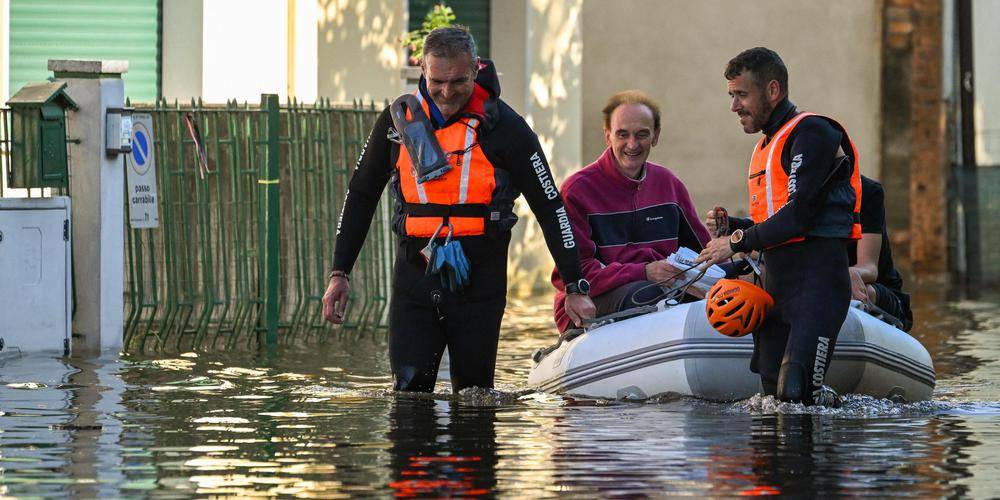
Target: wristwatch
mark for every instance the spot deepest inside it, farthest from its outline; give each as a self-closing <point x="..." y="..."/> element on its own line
<point x="578" y="287"/>
<point x="735" y="239"/>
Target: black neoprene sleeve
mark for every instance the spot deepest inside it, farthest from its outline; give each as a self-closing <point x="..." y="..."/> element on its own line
<point x="529" y="169"/>
<point x="367" y="184"/>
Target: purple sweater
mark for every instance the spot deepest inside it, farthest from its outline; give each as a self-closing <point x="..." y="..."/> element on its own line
<point x="621" y="224"/>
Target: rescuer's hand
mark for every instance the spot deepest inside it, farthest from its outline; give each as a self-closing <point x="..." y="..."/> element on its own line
<point x="717" y="250"/>
<point x="335" y="299"/>
<point x="578" y="307"/>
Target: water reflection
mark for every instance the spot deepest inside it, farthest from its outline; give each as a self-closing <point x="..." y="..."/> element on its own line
<point x="319" y="420"/>
<point x="441" y="448"/>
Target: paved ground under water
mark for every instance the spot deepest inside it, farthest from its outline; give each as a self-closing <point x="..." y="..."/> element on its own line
<point x="319" y="421"/>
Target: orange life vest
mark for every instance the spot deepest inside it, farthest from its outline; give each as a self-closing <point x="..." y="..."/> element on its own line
<point x="462" y="195"/>
<point x="768" y="182"/>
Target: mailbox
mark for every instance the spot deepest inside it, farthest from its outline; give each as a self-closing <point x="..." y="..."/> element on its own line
<point x="38" y="135"/>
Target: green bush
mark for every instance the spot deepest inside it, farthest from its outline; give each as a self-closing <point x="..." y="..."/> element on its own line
<point x="438" y="17"/>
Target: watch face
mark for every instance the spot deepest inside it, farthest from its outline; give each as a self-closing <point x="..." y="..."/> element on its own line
<point x="584" y="286"/>
<point x="737" y="236"/>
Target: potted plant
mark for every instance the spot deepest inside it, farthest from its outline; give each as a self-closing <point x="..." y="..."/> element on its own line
<point x="438" y="16"/>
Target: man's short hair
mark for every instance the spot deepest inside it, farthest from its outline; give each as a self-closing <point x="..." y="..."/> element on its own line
<point x="763" y="63"/>
<point x="631" y="97"/>
<point x="452" y="41"/>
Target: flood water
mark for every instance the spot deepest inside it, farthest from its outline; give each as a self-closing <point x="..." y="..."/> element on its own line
<point x="318" y="420"/>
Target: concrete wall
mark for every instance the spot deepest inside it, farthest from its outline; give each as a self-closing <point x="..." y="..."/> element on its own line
<point x="538" y="50"/>
<point x="509" y="49"/>
<point x="986" y="65"/>
<point x="4" y="49"/>
<point x="244" y="59"/>
<point x="359" y="54"/>
<point x="183" y="22"/>
<point x="678" y="56"/>
<point x="303" y="49"/>
<point x="272" y="49"/>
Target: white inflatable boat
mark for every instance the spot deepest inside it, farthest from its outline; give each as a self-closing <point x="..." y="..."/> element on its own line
<point x="673" y="351"/>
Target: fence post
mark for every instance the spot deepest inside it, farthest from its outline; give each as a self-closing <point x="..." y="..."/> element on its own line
<point x="270" y="198"/>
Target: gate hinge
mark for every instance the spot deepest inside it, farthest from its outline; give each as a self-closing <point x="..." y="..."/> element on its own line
<point x="66" y="230"/>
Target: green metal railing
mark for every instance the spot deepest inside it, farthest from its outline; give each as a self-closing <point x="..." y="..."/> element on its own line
<point x="5" y="144"/>
<point x="244" y="245"/>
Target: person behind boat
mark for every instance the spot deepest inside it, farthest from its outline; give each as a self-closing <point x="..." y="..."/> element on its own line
<point x="805" y="198"/>
<point x="874" y="278"/>
<point x="627" y="213"/>
<point x="493" y="157"/>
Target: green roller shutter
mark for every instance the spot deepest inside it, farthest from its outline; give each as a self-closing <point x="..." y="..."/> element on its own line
<point x="86" y="29"/>
<point x="472" y="13"/>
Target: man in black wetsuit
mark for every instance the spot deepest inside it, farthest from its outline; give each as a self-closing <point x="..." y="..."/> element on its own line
<point x="494" y="156"/>
<point x="873" y="275"/>
<point x="804" y="188"/>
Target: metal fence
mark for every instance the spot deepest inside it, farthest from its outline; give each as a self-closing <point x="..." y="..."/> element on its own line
<point x="23" y="172"/>
<point x="5" y="146"/>
<point x="246" y="237"/>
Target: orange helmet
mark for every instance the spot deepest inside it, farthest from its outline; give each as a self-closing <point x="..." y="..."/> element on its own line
<point x="735" y="307"/>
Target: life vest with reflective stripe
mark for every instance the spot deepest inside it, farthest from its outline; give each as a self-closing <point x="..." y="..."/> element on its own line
<point x="768" y="184"/>
<point x="462" y="195"/>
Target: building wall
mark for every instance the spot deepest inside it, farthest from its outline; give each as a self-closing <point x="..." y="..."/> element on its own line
<point x="359" y="55"/>
<point x="244" y="59"/>
<point x="182" y="49"/>
<point x="272" y="49"/>
<point x="678" y="55"/>
<point x="986" y="65"/>
<point x="4" y="49"/>
<point x="537" y="47"/>
<point x="303" y="49"/>
<point x="509" y="49"/>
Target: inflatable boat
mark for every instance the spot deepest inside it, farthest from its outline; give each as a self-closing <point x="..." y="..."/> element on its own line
<point x="671" y="350"/>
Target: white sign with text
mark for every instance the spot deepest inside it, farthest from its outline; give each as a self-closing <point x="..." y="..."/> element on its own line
<point x="142" y="203"/>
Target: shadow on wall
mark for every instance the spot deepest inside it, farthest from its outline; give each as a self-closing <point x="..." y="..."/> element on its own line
<point x="553" y="111"/>
<point x="359" y="53"/>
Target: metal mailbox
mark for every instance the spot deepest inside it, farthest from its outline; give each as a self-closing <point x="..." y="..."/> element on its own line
<point x="38" y="135"/>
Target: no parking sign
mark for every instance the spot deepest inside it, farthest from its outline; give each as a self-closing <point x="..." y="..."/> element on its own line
<point x="142" y="205"/>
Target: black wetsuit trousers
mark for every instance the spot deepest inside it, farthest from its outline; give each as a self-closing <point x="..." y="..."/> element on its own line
<point x="811" y="287"/>
<point x="424" y="317"/>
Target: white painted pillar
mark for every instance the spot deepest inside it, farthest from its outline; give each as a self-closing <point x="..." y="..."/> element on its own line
<point x="97" y="189"/>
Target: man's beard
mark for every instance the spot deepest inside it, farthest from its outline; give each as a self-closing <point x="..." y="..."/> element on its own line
<point x="761" y="119"/>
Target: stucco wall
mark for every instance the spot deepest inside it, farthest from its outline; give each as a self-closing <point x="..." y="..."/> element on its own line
<point x="273" y="49"/>
<point x="359" y="54"/>
<point x="182" y="49"/>
<point x="244" y="59"/>
<point x="509" y="49"/>
<point x="4" y="49"/>
<point x="677" y="50"/>
<point x="536" y="46"/>
<point x="986" y="65"/>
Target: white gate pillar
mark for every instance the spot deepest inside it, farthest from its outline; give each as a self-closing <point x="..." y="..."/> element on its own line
<point x="97" y="189"/>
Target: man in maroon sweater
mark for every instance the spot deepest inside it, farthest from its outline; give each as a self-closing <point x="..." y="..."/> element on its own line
<point x="627" y="214"/>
